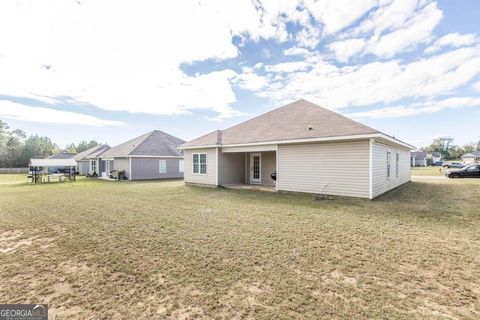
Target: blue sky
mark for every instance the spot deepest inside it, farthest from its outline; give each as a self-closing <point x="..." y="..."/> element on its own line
<point x="78" y="70"/>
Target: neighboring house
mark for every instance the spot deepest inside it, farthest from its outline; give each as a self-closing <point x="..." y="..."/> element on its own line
<point x="418" y="159"/>
<point x="471" y="157"/>
<point x="310" y="149"/>
<point x="84" y="163"/>
<point x="96" y="164"/>
<point x="64" y="154"/>
<point x="151" y="156"/>
<point x="435" y="157"/>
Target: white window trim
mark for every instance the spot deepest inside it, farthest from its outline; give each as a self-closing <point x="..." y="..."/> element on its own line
<point x="199" y="165"/>
<point x="397" y="164"/>
<point x="181" y="166"/>
<point x="389" y="164"/>
<point x="253" y="154"/>
<point x="93" y="166"/>
<point x="159" y="166"/>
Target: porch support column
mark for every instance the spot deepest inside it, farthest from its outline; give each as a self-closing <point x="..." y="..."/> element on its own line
<point x="246" y="168"/>
<point x="276" y="167"/>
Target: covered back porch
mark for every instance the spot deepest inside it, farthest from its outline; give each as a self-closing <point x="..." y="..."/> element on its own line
<point x="248" y="168"/>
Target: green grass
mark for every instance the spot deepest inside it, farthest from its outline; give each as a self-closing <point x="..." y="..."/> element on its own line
<point x="138" y="250"/>
<point x="428" y="171"/>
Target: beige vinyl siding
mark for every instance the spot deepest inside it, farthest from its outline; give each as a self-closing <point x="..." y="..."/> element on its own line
<point x="231" y="168"/>
<point x="83" y="167"/>
<point x="380" y="182"/>
<point x="268" y="165"/>
<point x="120" y="164"/>
<point x="343" y="166"/>
<point x="211" y="176"/>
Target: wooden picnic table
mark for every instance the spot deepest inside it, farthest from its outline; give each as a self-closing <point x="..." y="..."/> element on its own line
<point x="59" y="176"/>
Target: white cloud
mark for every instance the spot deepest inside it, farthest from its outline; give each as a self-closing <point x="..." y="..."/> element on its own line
<point x="452" y="40"/>
<point x="130" y="60"/>
<point x="476" y="86"/>
<point x="296" y="51"/>
<point x="308" y="37"/>
<point x="377" y="82"/>
<point x="250" y="81"/>
<point x="258" y="66"/>
<point x="417" y="30"/>
<point x="83" y="51"/>
<point x="345" y="49"/>
<point x="287" y="67"/>
<point x="17" y="111"/>
<point x="390" y="15"/>
<point x="395" y="27"/>
<point x="418" y="108"/>
<point x="336" y="15"/>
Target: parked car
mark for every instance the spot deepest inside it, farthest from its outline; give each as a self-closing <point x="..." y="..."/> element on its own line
<point x="471" y="171"/>
<point x="454" y="165"/>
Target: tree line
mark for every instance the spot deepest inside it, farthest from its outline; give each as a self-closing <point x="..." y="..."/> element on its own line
<point x="16" y="149"/>
<point x="450" y="151"/>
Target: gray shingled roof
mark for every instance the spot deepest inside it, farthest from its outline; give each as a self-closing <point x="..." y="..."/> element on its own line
<point x="472" y="154"/>
<point x="84" y="155"/>
<point x="286" y="123"/>
<point x="418" y="154"/>
<point x="154" y="143"/>
<point x="64" y="154"/>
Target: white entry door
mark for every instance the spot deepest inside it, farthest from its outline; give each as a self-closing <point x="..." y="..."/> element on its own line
<point x="107" y="168"/>
<point x="255" y="168"/>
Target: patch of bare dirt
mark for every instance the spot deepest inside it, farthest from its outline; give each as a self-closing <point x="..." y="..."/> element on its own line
<point x="11" y="241"/>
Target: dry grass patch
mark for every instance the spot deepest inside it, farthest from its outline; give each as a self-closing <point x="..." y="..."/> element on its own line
<point x="161" y="250"/>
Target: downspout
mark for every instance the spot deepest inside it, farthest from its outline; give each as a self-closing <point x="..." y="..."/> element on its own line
<point x="370" y="169"/>
<point x="216" y="160"/>
<point x="130" y="168"/>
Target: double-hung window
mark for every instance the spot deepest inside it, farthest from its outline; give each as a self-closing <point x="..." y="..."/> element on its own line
<point x="200" y="163"/>
<point x="397" y="160"/>
<point x="162" y="166"/>
<point x="389" y="156"/>
<point x="93" y="166"/>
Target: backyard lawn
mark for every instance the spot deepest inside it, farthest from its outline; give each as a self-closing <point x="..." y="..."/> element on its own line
<point x="142" y="250"/>
<point x="429" y="171"/>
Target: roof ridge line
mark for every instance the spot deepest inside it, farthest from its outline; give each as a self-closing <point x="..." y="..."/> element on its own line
<point x="147" y="135"/>
<point x="260" y="115"/>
